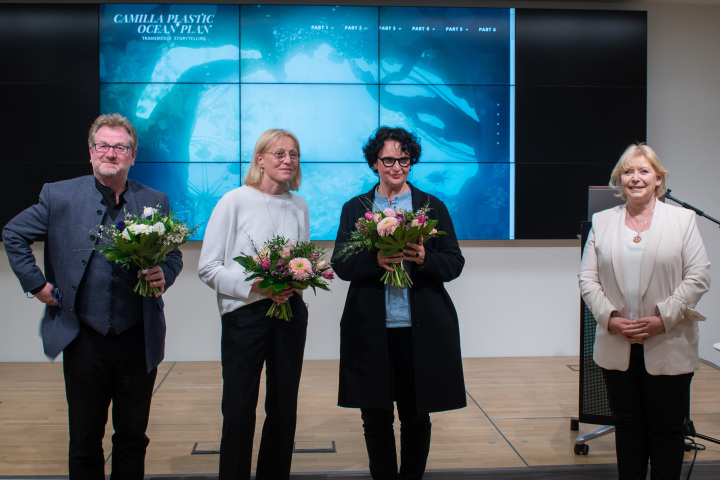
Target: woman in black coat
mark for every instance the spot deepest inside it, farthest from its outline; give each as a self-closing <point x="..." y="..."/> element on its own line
<point x="399" y="344"/>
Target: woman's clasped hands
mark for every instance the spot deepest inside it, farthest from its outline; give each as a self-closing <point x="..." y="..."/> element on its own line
<point x="636" y="331"/>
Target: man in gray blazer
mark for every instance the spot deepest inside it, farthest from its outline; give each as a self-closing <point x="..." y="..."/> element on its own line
<point x="112" y="339"/>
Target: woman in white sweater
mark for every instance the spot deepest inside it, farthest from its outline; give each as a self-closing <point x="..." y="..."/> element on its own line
<point x="254" y="213"/>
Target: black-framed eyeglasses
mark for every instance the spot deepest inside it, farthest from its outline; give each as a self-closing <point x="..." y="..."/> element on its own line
<point x="119" y="149"/>
<point x="280" y="155"/>
<point x="389" y="162"/>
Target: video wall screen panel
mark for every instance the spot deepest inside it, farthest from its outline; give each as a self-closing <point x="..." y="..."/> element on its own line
<point x="446" y="46"/>
<point x="558" y="127"/>
<point x="48" y="44"/>
<point x="581" y="47"/>
<point x="551" y="186"/>
<point x="331" y="121"/>
<point x="309" y="44"/>
<point x="202" y="82"/>
<point x="169" y="43"/>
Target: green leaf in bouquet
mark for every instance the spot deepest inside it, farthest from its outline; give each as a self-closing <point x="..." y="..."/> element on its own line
<point x="148" y="240"/>
<point x="110" y="254"/>
<point x="392" y="244"/>
<point x="269" y="283"/>
<point x="430" y="224"/>
<point x="322" y="285"/>
<point x="245" y="261"/>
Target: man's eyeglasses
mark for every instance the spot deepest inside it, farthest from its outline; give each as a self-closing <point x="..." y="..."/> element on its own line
<point x="389" y="162"/>
<point x="119" y="149"/>
<point x="280" y="155"/>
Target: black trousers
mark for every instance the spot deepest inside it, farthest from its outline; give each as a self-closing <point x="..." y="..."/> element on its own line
<point x="649" y="413"/>
<point x="249" y="340"/>
<point x="415" y="427"/>
<point x="99" y="370"/>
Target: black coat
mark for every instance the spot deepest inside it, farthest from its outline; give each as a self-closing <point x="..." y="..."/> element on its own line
<point x="365" y="380"/>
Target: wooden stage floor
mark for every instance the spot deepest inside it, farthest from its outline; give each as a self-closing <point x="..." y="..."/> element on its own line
<point x="518" y="417"/>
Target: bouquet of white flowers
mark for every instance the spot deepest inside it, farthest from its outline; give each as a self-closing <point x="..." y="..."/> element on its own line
<point x="143" y="241"/>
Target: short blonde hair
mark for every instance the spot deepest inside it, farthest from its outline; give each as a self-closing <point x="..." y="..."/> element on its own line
<point x="632" y="153"/>
<point x="113" y="120"/>
<point x="268" y="138"/>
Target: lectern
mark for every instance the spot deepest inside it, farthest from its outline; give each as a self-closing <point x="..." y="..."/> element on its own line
<point x="594" y="407"/>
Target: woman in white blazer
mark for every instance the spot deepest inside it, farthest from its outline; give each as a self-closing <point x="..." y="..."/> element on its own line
<point x="644" y="268"/>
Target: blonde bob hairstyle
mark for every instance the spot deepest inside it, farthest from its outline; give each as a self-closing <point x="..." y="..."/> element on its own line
<point x="629" y="156"/>
<point x="264" y="144"/>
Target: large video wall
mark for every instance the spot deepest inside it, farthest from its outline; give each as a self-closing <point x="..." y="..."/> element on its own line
<point x="202" y="82"/>
<point x="511" y="140"/>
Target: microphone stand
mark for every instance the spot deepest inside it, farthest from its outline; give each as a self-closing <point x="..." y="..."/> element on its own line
<point x="690" y="207"/>
<point x="689" y="427"/>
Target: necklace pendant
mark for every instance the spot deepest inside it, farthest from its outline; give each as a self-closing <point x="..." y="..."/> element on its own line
<point x="637" y="238"/>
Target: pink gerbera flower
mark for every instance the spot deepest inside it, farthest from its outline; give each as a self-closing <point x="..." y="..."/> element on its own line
<point x="301" y="268"/>
<point x="387" y="226"/>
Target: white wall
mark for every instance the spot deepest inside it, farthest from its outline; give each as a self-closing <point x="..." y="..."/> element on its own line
<point x="515" y="298"/>
<point x="684" y="126"/>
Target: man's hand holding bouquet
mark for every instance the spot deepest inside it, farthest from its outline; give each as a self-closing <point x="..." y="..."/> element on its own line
<point x="143" y="241"/>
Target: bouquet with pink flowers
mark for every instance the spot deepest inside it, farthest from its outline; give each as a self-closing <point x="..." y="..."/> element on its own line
<point x="389" y="231"/>
<point x="283" y="263"/>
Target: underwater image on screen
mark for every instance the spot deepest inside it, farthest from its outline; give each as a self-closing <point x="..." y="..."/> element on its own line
<point x="308" y="44"/>
<point x="169" y="43"/>
<point x="202" y="82"/>
<point x="478" y="196"/>
<point x="189" y="139"/>
<point x="349" y="114"/>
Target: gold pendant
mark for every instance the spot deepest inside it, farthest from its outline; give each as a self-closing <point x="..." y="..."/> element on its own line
<point x="637" y="238"/>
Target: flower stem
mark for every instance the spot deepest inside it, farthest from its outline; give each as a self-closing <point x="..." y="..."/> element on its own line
<point x="280" y="310"/>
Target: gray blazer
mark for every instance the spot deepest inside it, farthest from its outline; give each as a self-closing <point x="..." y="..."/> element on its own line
<point x="66" y="218"/>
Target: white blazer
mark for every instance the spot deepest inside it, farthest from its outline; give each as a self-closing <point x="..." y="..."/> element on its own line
<point x="674" y="274"/>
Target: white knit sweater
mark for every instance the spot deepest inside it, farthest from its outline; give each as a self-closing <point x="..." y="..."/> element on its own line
<point x="242" y="216"/>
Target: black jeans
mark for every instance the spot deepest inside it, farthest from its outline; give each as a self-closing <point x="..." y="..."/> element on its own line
<point x="415" y="427"/>
<point x="98" y="370"/>
<point x="649" y="412"/>
<point x="249" y="340"/>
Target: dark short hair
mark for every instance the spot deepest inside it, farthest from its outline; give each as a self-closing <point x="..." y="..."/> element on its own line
<point x="408" y="141"/>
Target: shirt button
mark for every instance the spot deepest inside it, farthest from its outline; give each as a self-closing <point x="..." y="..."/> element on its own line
<point x="84" y="262"/>
<point x="99" y="212"/>
<point x="92" y="237"/>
